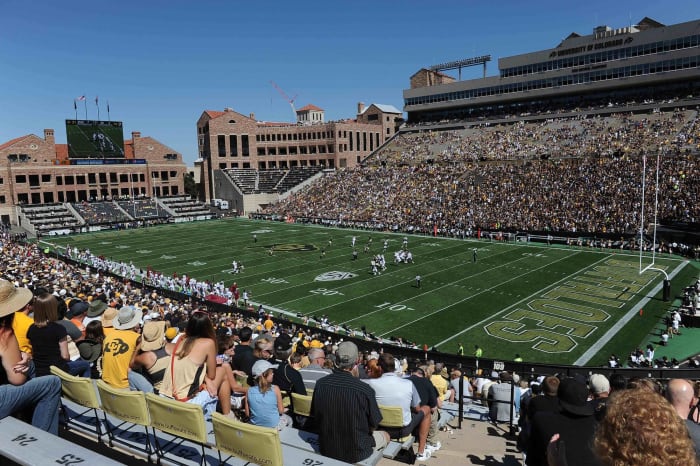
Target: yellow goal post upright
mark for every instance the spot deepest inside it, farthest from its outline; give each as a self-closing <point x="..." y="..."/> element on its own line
<point x="652" y="265"/>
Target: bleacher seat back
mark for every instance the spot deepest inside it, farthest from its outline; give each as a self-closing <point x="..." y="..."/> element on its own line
<point x="184" y="420"/>
<point x="392" y="416"/>
<point x="126" y="405"/>
<point x="301" y="404"/>
<point x="79" y="390"/>
<point x="259" y="445"/>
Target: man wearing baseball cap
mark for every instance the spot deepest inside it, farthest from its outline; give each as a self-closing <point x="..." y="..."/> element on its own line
<point x="286" y="377"/>
<point x="346" y="412"/>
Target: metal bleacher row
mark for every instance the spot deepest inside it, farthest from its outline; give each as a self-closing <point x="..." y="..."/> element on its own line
<point x="149" y="427"/>
<point x="45" y="218"/>
<point x="271" y="180"/>
<point x="117" y="424"/>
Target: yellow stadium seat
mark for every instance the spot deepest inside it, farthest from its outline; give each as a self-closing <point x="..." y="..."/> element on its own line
<point x="127" y="406"/>
<point x="259" y="445"/>
<point x="182" y="420"/>
<point x="80" y="391"/>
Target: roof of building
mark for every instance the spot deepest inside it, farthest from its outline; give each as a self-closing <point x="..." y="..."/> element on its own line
<point x="13" y="141"/>
<point x="213" y="113"/>
<point x="309" y="107"/>
<point x="384" y="108"/>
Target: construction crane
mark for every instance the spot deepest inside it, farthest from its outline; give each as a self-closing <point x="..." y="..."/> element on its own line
<point x="286" y="97"/>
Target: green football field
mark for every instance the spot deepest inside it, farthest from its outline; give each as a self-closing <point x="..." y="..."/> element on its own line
<point x="549" y="304"/>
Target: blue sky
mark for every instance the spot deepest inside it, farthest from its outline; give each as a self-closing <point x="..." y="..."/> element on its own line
<point x="160" y="64"/>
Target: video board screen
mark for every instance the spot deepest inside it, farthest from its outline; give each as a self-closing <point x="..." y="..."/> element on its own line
<point x="91" y="139"/>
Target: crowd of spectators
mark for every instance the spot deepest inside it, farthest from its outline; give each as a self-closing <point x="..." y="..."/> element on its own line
<point x="281" y="358"/>
<point x="579" y="176"/>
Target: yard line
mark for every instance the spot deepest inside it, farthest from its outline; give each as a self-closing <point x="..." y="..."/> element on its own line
<point x="503" y="310"/>
<point x="400" y="284"/>
<point x="508" y="264"/>
<point x="607" y="336"/>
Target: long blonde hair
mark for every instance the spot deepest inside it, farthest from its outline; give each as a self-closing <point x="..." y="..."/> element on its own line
<point x="261" y="381"/>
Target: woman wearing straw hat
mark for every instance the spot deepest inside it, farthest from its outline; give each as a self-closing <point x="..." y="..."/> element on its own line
<point x="154" y="354"/>
<point x="16" y="392"/>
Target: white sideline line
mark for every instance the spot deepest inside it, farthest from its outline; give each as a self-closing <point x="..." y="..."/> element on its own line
<point x="520" y="302"/>
<point x="432" y="290"/>
<point x="607" y="336"/>
<point x="484" y="291"/>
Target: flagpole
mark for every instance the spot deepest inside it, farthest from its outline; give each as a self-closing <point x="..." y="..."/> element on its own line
<point x="85" y="103"/>
<point x="108" y="119"/>
<point x="75" y="107"/>
<point x="98" y="108"/>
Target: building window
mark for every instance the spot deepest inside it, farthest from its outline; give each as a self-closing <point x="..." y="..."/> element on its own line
<point x="221" y="142"/>
<point x="233" y="142"/>
<point x="222" y="166"/>
<point x="20" y="179"/>
<point x="46" y="178"/>
<point x="2" y="199"/>
<point x="34" y="181"/>
<point x="244" y="145"/>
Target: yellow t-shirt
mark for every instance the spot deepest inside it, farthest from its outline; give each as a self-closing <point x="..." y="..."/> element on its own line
<point x="117" y="350"/>
<point x="268" y="324"/>
<point x="440" y="383"/>
<point x="20" y="325"/>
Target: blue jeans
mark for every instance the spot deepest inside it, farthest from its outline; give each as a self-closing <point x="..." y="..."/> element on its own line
<point x="44" y="393"/>
<point x="79" y="367"/>
<point x="139" y="383"/>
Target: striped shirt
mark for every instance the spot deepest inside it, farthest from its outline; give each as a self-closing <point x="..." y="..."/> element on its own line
<point x="346" y="412"/>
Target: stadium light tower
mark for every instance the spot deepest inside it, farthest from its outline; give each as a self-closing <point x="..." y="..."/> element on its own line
<point x="459" y="64"/>
<point x="286" y="97"/>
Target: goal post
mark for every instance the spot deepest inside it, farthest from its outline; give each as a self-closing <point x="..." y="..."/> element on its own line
<point x="652" y="265"/>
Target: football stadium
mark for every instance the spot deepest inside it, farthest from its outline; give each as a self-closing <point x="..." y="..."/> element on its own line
<point x="500" y="237"/>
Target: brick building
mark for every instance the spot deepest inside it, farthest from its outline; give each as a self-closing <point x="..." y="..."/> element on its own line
<point x="230" y="139"/>
<point x="35" y="170"/>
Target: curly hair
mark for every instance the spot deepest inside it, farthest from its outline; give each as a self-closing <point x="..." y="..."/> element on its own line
<point x="373" y="370"/>
<point x="641" y="428"/>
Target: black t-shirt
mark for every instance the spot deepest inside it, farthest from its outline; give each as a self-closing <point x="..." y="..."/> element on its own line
<point x="243" y="358"/>
<point x="45" y="349"/>
<point x="426" y="391"/>
<point x="288" y="379"/>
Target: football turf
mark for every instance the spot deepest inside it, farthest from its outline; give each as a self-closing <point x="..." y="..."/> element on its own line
<point x="549" y="304"/>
